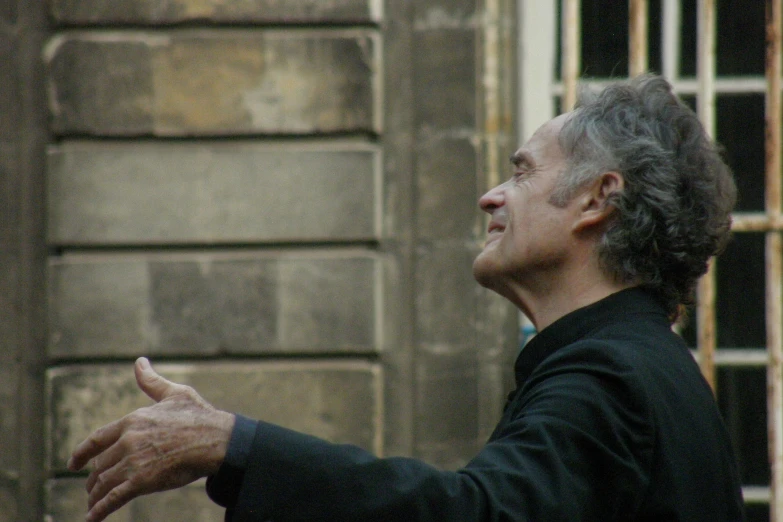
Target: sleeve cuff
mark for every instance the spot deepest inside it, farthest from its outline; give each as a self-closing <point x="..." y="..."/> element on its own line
<point x="223" y="487"/>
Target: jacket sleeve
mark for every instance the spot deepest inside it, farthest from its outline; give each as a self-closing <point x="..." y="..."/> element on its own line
<point x="571" y="448"/>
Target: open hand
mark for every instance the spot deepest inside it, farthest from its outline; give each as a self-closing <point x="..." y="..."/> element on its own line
<point x="177" y="440"/>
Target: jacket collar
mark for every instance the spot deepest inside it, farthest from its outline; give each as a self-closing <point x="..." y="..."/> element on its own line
<point x="579" y="323"/>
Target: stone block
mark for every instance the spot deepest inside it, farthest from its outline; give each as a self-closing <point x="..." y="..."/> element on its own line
<point x="445" y="14"/>
<point x="11" y="254"/>
<point x="337" y="400"/>
<point x="8" y="12"/>
<point x="9" y="502"/>
<point x="447" y="201"/>
<point x="95" y="85"/>
<point x="164" y="193"/>
<point x="66" y="501"/>
<point x="218" y="11"/>
<point x="208" y="304"/>
<point x="445" y="295"/>
<point x="447" y="406"/>
<point x="445" y="63"/>
<point x="203" y="83"/>
<point x="9" y="413"/>
<point x="9" y="88"/>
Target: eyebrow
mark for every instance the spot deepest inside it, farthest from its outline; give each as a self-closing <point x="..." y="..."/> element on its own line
<point x="521" y="158"/>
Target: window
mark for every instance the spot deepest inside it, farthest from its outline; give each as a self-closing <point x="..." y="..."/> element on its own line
<point x="713" y="52"/>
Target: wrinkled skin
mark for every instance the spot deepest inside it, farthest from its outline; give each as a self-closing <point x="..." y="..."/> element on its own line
<point x="177" y="440"/>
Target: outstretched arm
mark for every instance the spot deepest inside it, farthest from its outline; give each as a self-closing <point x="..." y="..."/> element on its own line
<point x="177" y="440"/>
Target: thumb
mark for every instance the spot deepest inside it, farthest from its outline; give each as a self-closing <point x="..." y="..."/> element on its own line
<point x="156" y="387"/>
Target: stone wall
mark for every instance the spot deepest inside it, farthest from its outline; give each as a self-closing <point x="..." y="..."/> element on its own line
<point x="23" y="135"/>
<point x="275" y="202"/>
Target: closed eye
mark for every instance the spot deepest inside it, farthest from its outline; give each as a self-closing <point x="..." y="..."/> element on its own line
<point x="522" y="164"/>
<point x="523" y="171"/>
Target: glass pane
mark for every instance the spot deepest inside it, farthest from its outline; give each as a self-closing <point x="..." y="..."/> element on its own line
<point x="740" y="129"/>
<point x="604" y="39"/>
<point x="740" y="38"/>
<point x="740" y="293"/>
<point x="688" y="38"/>
<point x="757" y="513"/>
<point x="654" y="36"/>
<point x="742" y="398"/>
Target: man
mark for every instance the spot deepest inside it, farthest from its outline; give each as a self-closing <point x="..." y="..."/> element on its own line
<point x="599" y="236"/>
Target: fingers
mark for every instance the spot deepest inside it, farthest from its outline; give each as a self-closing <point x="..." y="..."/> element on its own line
<point x="105" y="461"/>
<point x="111" y="502"/>
<point x="156" y="387"/>
<point x="93" y="445"/>
<point x="101" y="482"/>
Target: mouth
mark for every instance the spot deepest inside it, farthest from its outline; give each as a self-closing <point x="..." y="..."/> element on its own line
<point x="494" y="231"/>
<point x="495" y="227"/>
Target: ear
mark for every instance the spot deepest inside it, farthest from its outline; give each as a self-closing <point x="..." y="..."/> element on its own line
<point x="594" y="208"/>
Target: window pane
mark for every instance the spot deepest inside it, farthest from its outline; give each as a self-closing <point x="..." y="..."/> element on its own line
<point x="740" y="129"/>
<point x="688" y="38"/>
<point x="740" y="38"/>
<point x="740" y="293"/>
<point x="757" y="512"/>
<point x="654" y="35"/>
<point x="604" y="39"/>
<point x="742" y="397"/>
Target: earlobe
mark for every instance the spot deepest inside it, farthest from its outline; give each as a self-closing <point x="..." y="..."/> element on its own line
<point x="595" y="208"/>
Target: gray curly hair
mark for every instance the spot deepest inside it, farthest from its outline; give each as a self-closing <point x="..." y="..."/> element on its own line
<point x="674" y="211"/>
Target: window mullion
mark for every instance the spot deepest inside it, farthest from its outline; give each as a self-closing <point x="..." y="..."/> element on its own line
<point x="705" y="105"/>
<point x="774" y="259"/>
<point x="671" y="20"/>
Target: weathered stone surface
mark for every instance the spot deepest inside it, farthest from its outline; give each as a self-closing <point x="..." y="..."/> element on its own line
<point x="336" y="400"/>
<point x="9" y="505"/>
<point x="66" y="501"/>
<point x="10" y="257"/>
<point x="444" y="295"/>
<point x="9" y="101"/>
<point x="8" y="11"/>
<point x="9" y="412"/>
<point x="447" y="406"/>
<point x="445" y="63"/>
<point x="447" y="193"/>
<point x="96" y="84"/>
<point x="10" y="265"/>
<point x="214" y="83"/>
<point x="246" y="11"/>
<point x="189" y="304"/>
<point x="153" y="193"/>
<point x="445" y="14"/>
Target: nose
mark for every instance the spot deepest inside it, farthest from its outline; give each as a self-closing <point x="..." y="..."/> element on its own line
<point x="493" y="199"/>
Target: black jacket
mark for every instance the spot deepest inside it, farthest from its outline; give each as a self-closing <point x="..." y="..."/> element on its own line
<point x="611" y="420"/>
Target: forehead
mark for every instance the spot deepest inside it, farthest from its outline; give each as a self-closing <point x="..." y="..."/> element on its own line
<point x="545" y="144"/>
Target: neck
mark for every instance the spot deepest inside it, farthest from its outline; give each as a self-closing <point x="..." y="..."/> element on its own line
<point x="546" y="299"/>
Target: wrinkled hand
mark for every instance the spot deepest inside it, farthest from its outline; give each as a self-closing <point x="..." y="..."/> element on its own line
<point x="179" y="439"/>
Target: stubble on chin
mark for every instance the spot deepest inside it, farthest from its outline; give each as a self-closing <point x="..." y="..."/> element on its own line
<point x="484" y="269"/>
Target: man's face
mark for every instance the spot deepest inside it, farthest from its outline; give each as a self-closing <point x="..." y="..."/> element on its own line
<point x="528" y="236"/>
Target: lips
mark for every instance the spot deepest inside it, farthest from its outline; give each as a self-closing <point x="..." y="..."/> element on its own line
<point x="494" y="226"/>
<point x="494" y="231"/>
<point x="498" y="221"/>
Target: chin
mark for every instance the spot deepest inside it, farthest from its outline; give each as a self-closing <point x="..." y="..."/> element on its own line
<point x="484" y="270"/>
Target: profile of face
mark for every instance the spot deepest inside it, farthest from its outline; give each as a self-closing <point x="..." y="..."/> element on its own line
<point x="529" y="236"/>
